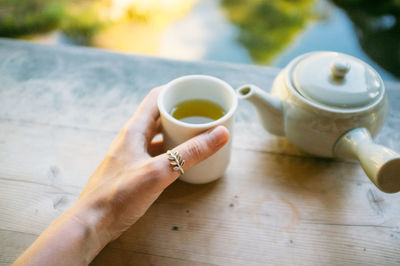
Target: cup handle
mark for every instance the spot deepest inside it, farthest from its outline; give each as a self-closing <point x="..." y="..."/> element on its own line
<point x="381" y="164"/>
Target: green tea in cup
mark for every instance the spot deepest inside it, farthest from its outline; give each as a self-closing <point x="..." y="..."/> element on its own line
<point x="203" y="102"/>
<point x="197" y="111"/>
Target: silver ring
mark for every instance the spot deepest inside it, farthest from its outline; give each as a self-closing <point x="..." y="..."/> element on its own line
<point x="176" y="161"/>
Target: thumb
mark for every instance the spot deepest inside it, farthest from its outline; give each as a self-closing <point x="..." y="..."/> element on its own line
<point x="203" y="146"/>
<point x="194" y="151"/>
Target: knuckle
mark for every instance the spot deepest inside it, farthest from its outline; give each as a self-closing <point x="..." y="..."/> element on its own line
<point x="210" y="142"/>
<point x="155" y="169"/>
<point x="131" y="134"/>
<point x="125" y="132"/>
<point x="196" y="149"/>
<point x="129" y="130"/>
<point x="126" y="136"/>
<point x="154" y="91"/>
<point x="157" y="175"/>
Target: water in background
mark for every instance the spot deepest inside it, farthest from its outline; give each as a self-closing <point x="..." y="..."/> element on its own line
<point x="207" y="34"/>
<point x="252" y="32"/>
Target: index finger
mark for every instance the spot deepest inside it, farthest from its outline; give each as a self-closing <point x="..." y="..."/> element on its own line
<point x="144" y="119"/>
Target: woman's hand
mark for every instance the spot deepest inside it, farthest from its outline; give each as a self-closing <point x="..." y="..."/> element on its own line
<point x="130" y="179"/>
<point x="132" y="175"/>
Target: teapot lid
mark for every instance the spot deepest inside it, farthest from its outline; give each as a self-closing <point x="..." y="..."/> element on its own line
<point x="336" y="80"/>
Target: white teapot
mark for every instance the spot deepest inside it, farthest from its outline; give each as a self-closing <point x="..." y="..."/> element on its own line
<point x="331" y="105"/>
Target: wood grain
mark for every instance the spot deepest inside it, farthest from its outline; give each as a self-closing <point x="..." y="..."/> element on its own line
<point x="60" y="108"/>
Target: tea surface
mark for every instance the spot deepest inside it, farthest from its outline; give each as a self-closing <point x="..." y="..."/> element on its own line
<point x="197" y="111"/>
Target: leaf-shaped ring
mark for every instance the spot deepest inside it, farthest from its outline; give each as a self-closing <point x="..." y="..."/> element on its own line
<point x="176" y="161"/>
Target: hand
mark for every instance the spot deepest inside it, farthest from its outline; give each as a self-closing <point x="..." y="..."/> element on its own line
<point x="129" y="179"/>
<point x="132" y="175"/>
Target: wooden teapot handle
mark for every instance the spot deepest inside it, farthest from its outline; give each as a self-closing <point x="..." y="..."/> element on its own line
<point x="381" y="164"/>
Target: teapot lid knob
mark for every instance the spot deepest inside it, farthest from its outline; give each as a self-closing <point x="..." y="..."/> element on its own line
<point x="339" y="68"/>
<point x="336" y="80"/>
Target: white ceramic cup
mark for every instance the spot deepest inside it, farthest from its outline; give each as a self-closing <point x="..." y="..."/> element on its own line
<point x="176" y="132"/>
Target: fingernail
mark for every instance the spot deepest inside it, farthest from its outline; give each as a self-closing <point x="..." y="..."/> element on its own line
<point x="219" y="135"/>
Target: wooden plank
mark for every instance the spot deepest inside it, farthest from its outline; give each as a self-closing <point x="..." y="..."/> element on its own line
<point x="116" y="256"/>
<point x="23" y="142"/>
<point x="283" y="206"/>
<point x="315" y="183"/>
<point x="12" y="244"/>
<point x="85" y="88"/>
<point x="31" y="207"/>
<point x="49" y="154"/>
<point x="275" y="205"/>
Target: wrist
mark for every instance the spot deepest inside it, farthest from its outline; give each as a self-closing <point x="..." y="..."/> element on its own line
<point x="93" y="226"/>
<point x="73" y="239"/>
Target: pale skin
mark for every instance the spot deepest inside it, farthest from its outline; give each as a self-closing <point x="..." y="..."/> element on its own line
<point x="132" y="175"/>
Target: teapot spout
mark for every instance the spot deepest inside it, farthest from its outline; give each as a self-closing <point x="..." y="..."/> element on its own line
<point x="269" y="107"/>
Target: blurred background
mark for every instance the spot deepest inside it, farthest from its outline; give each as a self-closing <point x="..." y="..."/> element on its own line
<point x="264" y="32"/>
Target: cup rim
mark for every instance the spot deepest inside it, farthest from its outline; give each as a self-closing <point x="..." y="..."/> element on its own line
<point x="219" y="121"/>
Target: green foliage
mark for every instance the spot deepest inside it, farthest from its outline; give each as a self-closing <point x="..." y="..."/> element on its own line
<point x="267" y="26"/>
<point x="82" y="21"/>
<point x="79" y="19"/>
<point x="19" y="17"/>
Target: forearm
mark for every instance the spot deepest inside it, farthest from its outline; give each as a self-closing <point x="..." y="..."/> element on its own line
<point x="68" y="241"/>
<point x="120" y="191"/>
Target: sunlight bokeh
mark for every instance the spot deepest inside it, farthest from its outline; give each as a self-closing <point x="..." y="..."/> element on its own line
<point x="253" y="31"/>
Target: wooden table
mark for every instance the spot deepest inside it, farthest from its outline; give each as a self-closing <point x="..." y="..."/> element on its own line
<point x="61" y="107"/>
